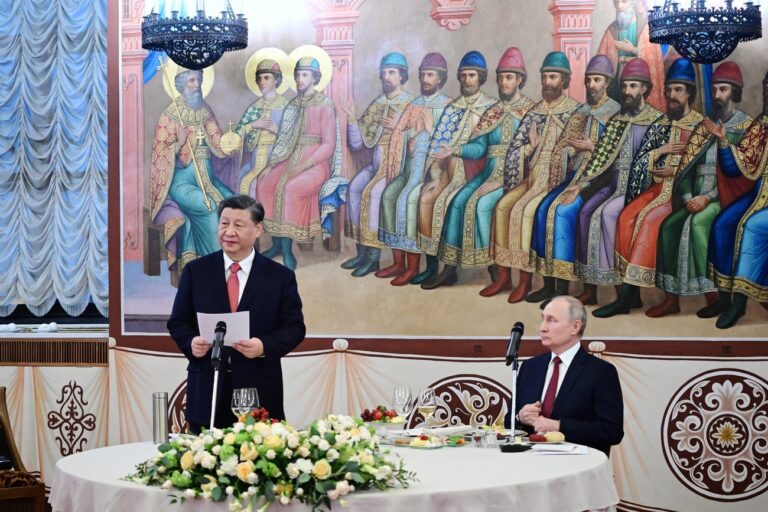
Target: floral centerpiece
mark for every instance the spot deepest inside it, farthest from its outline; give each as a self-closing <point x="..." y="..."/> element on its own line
<point x="255" y="463"/>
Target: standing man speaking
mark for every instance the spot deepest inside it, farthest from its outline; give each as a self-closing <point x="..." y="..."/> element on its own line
<point x="237" y="278"/>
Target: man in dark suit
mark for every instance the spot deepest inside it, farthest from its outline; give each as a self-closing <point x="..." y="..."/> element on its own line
<point x="237" y="278"/>
<point x="567" y="389"/>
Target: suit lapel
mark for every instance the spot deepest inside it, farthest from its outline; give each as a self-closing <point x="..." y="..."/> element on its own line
<point x="252" y="285"/>
<point x="222" y="297"/>
<point x="571" y="378"/>
<point x="541" y="374"/>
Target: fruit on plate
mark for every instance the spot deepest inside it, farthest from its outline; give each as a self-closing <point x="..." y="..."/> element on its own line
<point x="381" y="414"/>
<point x="456" y="441"/>
<point x="537" y="438"/>
<point x="426" y="442"/>
<point x="555" y="437"/>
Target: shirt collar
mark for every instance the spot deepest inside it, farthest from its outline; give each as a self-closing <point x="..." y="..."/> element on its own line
<point x="245" y="263"/>
<point x="566" y="357"/>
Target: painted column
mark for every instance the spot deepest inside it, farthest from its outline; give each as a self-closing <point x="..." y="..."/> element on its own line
<point x="572" y="34"/>
<point x="132" y="118"/>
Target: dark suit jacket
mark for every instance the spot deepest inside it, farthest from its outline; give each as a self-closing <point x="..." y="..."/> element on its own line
<point x="272" y="299"/>
<point x="589" y="403"/>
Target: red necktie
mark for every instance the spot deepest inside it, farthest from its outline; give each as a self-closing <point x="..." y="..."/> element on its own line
<point x="233" y="286"/>
<point x="549" y="396"/>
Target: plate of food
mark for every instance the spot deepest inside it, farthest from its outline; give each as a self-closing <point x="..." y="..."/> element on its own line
<point x="455" y="441"/>
<point x="547" y="438"/>
<point x="426" y="443"/>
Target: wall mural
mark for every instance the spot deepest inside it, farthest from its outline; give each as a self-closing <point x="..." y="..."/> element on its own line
<point x="446" y="184"/>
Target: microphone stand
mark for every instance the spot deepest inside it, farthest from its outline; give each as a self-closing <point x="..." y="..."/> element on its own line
<point x="215" y="390"/>
<point x="513" y="414"/>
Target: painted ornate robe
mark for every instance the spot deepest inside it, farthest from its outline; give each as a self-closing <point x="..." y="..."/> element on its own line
<point x="405" y="165"/>
<point x="184" y="196"/>
<point x="639" y="223"/>
<point x="467" y="228"/>
<point x="738" y="247"/>
<point x="257" y="142"/>
<point x="455" y="126"/>
<point x="681" y="262"/>
<point x="550" y="230"/>
<point x="298" y="202"/>
<point x="527" y="179"/>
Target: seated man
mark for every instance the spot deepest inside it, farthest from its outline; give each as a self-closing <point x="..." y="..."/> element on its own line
<point x="567" y="389"/>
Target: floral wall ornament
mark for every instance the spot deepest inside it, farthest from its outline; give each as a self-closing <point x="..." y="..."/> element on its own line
<point x="715" y="435"/>
<point x="452" y="14"/>
<point x="71" y="420"/>
<point x="466" y="400"/>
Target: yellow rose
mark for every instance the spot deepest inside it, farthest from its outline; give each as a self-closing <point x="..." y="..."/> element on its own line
<point x="229" y="438"/>
<point x="274" y="442"/>
<point x="248" y="451"/>
<point x="244" y="469"/>
<point x="188" y="460"/>
<point x="210" y="485"/>
<point x="263" y="429"/>
<point x="321" y="469"/>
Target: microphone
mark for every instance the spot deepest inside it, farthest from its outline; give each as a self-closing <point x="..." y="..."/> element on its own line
<point x="514" y="342"/>
<point x="218" y="342"/>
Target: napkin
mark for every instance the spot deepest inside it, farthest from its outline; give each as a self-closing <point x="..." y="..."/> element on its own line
<point x="560" y="449"/>
<point x="448" y="431"/>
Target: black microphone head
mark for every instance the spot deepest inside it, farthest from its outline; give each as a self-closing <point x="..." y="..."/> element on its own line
<point x="221" y="327"/>
<point x="519" y="327"/>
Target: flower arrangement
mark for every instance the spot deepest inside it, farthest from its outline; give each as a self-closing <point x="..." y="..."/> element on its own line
<point x="255" y="463"/>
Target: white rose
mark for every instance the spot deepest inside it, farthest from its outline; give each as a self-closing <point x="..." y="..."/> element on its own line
<point x="206" y="495"/>
<point x="229" y="466"/>
<point x="383" y="473"/>
<point x="253" y="478"/>
<point x="299" y="492"/>
<point x="347" y="476"/>
<point x="235" y="506"/>
<point x="161" y="469"/>
<point x="292" y="470"/>
<point x="304" y="465"/>
<point x="167" y="484"/>
<point x="249" y="428"/>
<point x="342" y="487"/>
<point x="218" y="434"/>
<point x="196" y="445"/>
<point x="229" y="490"/>
<point x="271" y="454"/>
<point x="216" y="449"/>
<point x="323" y="445"/>
<point x="238" y="427"/>
<point x="314" y="439"/>
<point x="285" y="500"/>
<point x="293" y="442"/>
<point x="257" y="439"/>
<point x="252" y="491"/>
<point x="287" y="453"/>
<point x="332" y="455"/>
<point x="333" y="494"/>
<point x="208" y="439"/>
<point x="190" y="493"/>
<point x="303" y="451"/>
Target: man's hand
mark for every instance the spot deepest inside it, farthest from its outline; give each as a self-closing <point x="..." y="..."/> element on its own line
<point x="444" y="152"/>
<point x="672" y="148"/>
<point x="265" y="124"/>
<point x="529" y="413"/>
<point x="581" y="144"/>
<point x="542" y="424"/>
<point x="625" y="46"/>
<point x="697" y="204"/>
<point x="570" y="194"/>
<point x="387" y="122"/>
<point x="200" y="347"/>
<point x="348" y="107"/>
<point x="533" y="135"/>
<point x="251" y="348"/>
<point x="665" y="172"/>
<point x="718" y="130"/>
<point x="183" y="132"/>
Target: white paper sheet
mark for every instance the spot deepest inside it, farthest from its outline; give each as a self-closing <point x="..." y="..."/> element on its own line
<point x="238" y="328"/>
<point x="560" y="449"/>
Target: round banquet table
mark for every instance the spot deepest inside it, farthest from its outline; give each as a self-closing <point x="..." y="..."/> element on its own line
<point x="449" y="479"/>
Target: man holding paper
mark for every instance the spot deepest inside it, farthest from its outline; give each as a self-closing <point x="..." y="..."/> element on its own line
<point x="236" y="279"/>
<point x="567" y="389"/>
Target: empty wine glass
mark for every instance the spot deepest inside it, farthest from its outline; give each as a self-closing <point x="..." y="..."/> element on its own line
<point x="427" y="403"/>
<point x="244" y="400"/>
<point x="402" y="402"/>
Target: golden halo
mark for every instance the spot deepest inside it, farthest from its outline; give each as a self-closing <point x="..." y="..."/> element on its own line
<point x="310" y="50"/>
<point x="171" y="71"/>
<point x="278" y="56"/>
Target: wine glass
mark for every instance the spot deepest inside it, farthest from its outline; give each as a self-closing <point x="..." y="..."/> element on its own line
<point x="402" y="401"/>
<point x="427" y="403"/>
<point x="244" y="400"/>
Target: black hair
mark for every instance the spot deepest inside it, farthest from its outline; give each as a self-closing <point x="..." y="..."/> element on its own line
<point x="243" y="202"/>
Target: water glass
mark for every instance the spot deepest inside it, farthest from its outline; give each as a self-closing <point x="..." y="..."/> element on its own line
<point x="402" y="402"/>
<point x="244" y="400"/>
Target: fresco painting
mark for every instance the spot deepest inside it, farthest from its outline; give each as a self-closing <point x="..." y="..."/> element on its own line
<point x="430" y="181"/>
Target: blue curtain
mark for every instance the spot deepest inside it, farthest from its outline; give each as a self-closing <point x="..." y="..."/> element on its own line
<point x="53" y="155"/>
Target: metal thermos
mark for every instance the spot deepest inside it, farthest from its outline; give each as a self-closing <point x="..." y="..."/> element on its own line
<point x="160" y="417"/>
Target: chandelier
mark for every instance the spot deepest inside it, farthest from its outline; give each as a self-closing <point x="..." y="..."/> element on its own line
<point x="195" y="42"/>
<point x="704" y="34"/>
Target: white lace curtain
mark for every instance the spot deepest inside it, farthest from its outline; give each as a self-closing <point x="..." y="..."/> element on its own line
<point x="53" y="155"/>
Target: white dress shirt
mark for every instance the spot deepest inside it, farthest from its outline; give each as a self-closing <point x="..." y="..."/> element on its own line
<point x="566" y="358"/>
<point x="242" y="274"/>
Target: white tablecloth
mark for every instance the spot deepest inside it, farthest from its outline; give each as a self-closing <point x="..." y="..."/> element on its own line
<point x="450" y="479"/>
